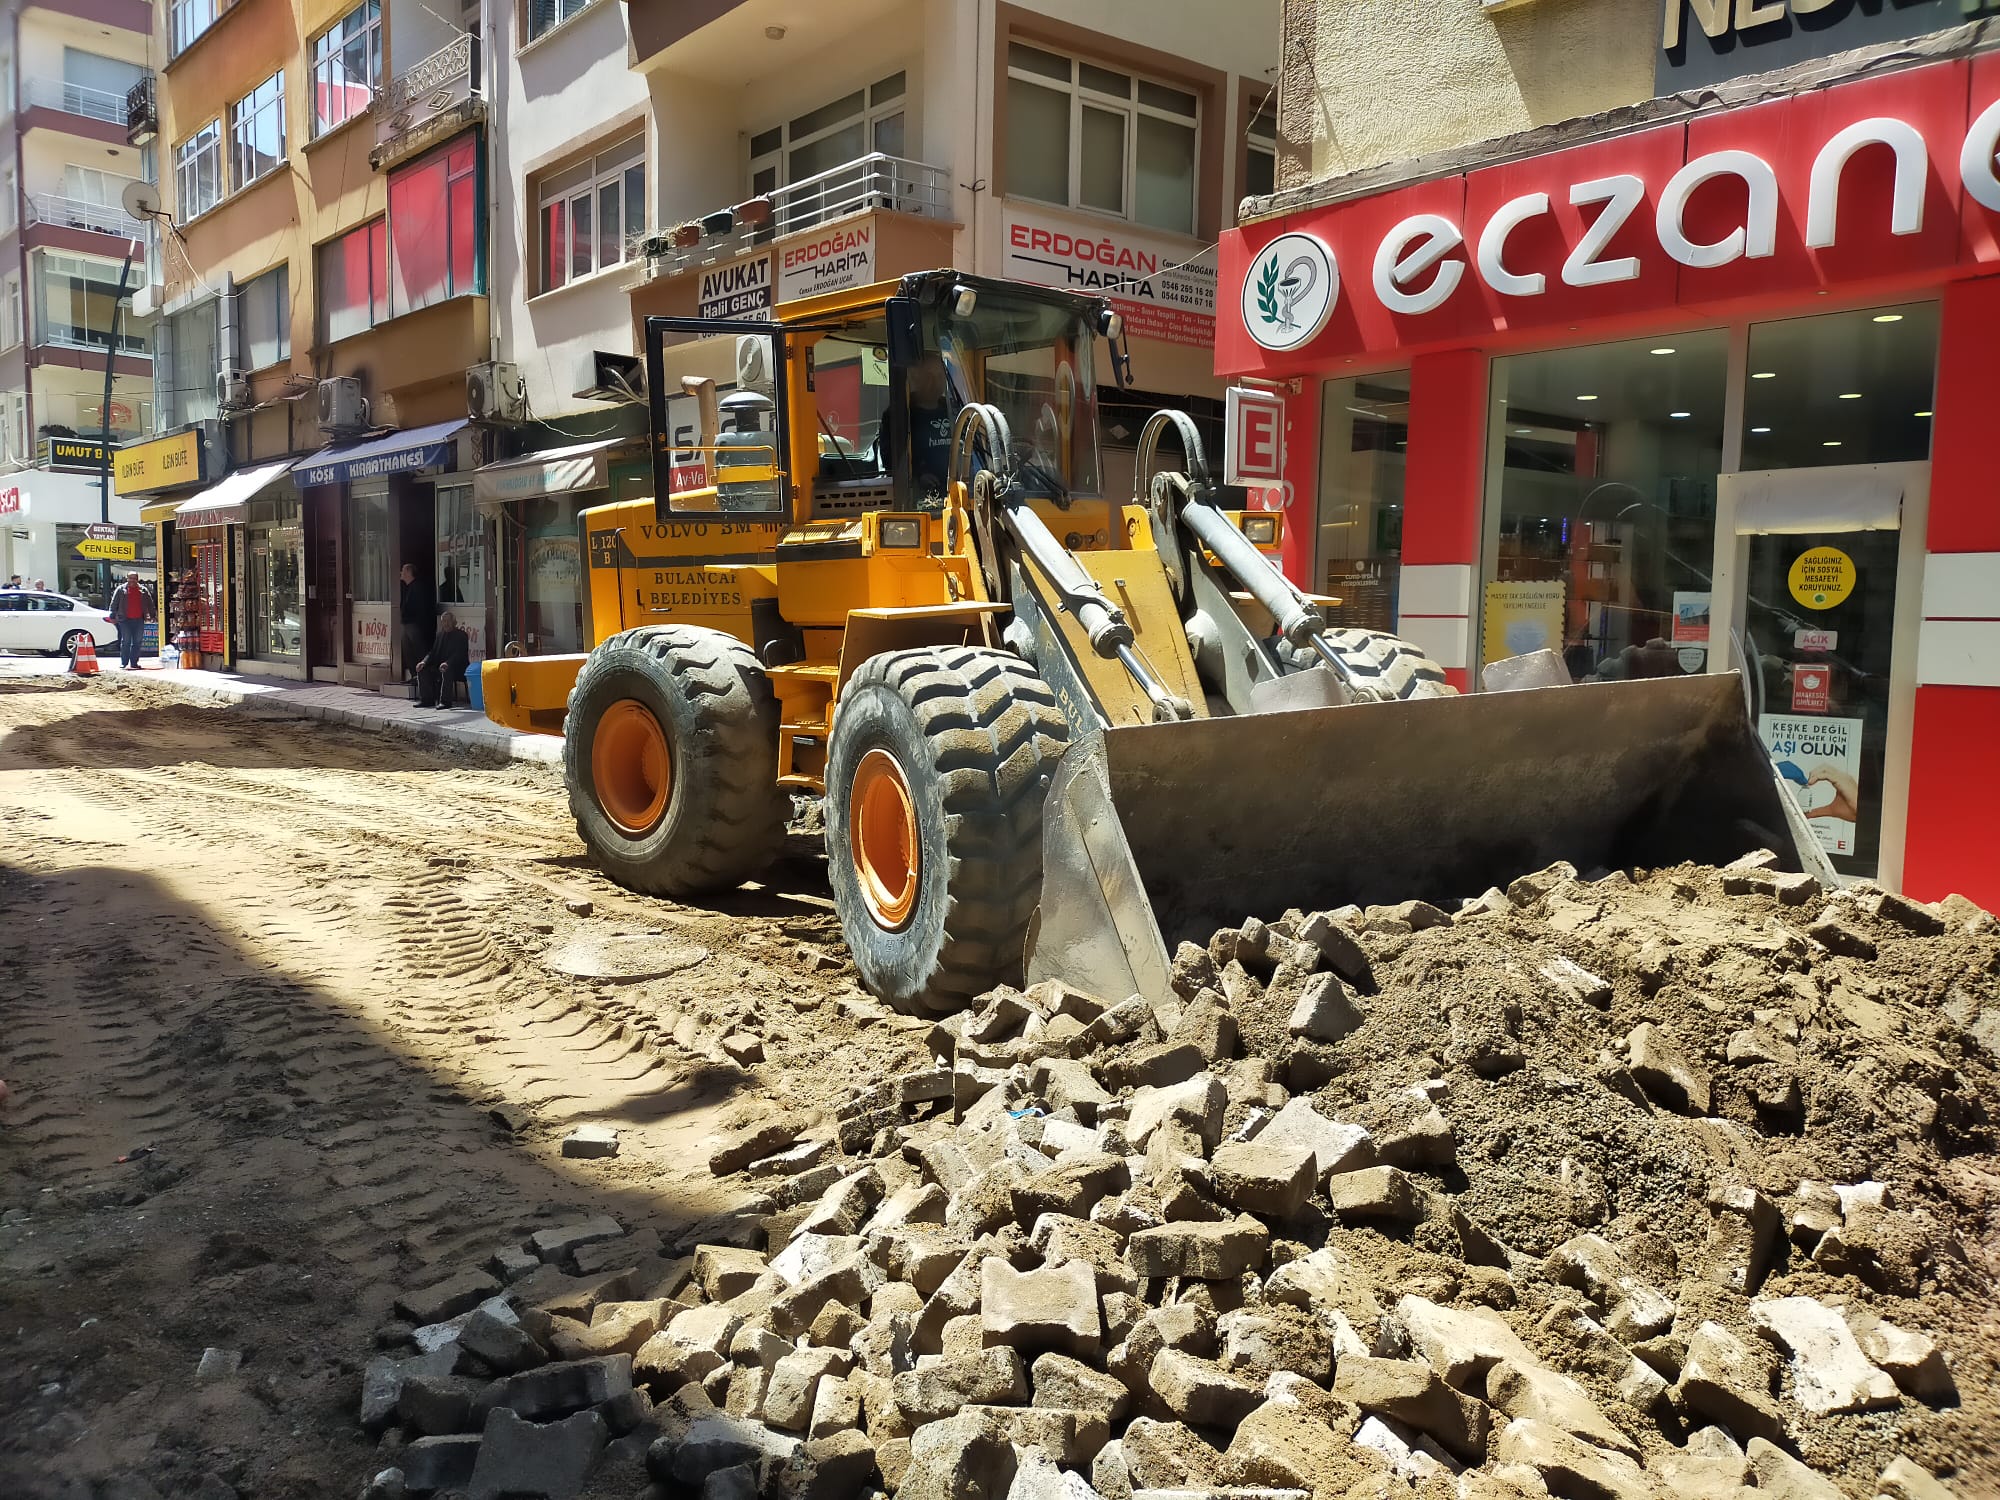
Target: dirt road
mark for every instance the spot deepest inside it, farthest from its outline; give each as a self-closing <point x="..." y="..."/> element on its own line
<point x="313" y="986"/>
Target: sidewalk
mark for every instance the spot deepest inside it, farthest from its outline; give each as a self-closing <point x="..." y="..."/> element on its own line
<point x="358" y="707"/>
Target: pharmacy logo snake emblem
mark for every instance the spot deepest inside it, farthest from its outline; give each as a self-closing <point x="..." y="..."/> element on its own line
<point x="1290" y="291"/>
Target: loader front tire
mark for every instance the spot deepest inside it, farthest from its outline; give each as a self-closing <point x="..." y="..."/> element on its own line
<point x="1386" y="668"/>
<point x="670" y="751"/>
<point x="937" y="767"/>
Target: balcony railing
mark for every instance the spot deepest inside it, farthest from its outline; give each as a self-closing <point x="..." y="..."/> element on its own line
<point x="142" y="112"/>
<point x="866" y="183"/>
<point x="431" y="98"/>
<point x="75" y="99"/>
<point x="79" y="213"/>
<point x="94" y="341"/>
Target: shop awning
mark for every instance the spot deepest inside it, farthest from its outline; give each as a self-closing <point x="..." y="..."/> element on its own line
<point x="553" y="471"/>
<point x="164" y="510"/>
<point x="391" y="453"/>
<point x="228" y="503"/>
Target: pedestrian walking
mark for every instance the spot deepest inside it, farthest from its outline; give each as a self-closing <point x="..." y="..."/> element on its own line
<point x="444" y="665"/>
<point x="418" y="612"/>
<point x="128" y="613"/>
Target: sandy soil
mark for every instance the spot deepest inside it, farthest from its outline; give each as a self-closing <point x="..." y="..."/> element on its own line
<point x="299" y="977"/>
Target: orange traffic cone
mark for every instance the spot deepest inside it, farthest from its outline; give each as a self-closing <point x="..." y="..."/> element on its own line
<point x="84" y="664"/>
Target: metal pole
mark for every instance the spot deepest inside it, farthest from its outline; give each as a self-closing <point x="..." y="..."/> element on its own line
<point x="104" y="414"/>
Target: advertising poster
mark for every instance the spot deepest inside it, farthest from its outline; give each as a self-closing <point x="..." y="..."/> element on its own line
<point x="1820" y="760"/>
<point x="371" y="633"/>
<point x="1522" y="617"/>
<point x="1811" y="689"/>
<point x="1690" y="619"/>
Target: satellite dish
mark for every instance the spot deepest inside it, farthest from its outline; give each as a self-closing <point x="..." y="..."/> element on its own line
<point x="141" y="199"/>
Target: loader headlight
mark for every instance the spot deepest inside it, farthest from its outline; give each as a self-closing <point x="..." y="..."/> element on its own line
<point x="903" y="531"/>
<point x="1261" y="530"/>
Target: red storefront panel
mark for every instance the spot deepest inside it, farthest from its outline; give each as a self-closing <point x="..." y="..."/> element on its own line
<point x="1690" y="184"/>
<point x="1952" y="830"/>
<point x="1547" y="244"/>
<point x="1981" y="241"/>
<point x="1791" y="136"/>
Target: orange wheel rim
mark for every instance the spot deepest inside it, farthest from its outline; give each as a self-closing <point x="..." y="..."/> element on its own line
<point x="631" y="767"/>
<point x="882" y="836"/>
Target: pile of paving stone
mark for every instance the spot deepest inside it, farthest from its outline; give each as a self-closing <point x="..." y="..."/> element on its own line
<point x="1603" y="1188"/>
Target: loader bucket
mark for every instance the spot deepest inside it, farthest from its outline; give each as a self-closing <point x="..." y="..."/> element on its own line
<point x="1163" y="832"/>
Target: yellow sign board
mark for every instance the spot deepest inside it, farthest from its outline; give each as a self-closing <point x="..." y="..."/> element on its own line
<point x="1822" y="577"/>
<point x="99" y="551"/>
<point x="161" y="464"/>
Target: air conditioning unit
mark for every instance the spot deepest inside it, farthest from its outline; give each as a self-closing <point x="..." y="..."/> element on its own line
<point x="494" y="392"/>
<point x="232" y="391"/>
<point x="342" y="407"/>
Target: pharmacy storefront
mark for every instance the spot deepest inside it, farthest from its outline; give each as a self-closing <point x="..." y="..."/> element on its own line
<point x="1709" y="393"/>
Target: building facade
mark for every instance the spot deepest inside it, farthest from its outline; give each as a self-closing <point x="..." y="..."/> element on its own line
<point x="1697" y="382"/>
<point x="66" y="72"/>
<point x="321" y="297"/>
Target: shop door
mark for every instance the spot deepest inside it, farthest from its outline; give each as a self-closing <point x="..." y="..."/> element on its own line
<point x="1819" y="622"/>
<point x="323" y="579"/>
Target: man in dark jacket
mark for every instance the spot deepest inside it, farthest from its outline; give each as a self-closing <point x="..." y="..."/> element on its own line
<point x="444" y="666"/>
<point x="418" y="613"/>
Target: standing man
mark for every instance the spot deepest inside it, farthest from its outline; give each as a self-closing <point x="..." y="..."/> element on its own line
<point x="418" y="612"/>
<point x="128" y="613"/>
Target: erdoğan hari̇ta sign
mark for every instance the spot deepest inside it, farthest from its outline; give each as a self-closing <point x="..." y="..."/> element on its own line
<point x="1163" y="290"/>
<point x="1893" y="176"/>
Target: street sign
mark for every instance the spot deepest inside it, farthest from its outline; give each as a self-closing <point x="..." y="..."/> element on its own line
<point x="112" y="551"/>
<point x="101" y="531"/>
<point x="1253" y="449"/>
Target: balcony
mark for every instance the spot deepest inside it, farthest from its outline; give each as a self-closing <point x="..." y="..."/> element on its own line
<point x="142" y="113"/>
<point x="864" y="185"/>
<point x="76" y="213"/>
<point x="437" y="98"/>
<point x="74" y="109"/>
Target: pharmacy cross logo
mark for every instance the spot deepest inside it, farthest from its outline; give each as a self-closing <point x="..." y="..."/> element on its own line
<point x="1290" y="291"/>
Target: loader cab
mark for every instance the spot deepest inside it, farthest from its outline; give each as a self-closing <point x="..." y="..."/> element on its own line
<point x="861" y="392"/>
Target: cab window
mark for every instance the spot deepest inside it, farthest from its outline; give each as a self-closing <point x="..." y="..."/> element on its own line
<point x="850" y="377"/>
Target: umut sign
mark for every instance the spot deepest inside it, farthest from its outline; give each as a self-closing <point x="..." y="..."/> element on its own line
<point x="1807" y="191"/>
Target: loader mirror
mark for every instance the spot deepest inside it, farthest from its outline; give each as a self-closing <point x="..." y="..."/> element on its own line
<point x="906" y="331"/>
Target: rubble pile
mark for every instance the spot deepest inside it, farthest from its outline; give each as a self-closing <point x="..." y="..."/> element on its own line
<point x="1666" y="1187"/>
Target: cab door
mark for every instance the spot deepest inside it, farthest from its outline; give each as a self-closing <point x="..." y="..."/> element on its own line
<point x="14" y="622"/>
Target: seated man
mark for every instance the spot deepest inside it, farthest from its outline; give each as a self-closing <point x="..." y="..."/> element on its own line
<point x="443" y="669"/>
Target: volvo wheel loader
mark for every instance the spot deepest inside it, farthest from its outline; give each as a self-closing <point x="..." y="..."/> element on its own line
<point x="1055" y="730"/>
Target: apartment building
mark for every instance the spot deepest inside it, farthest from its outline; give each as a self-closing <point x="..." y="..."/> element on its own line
<point x="321" y="298"/>
<point x="1658" y="333"/>
<point x="684" y="156"/>
<point x="67" y="68"/>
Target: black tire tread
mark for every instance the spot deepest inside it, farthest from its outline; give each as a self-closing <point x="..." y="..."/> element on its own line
<point x="743" y="827"/>
<point x="994" y="730"/>
<point x="1385" y="668"/>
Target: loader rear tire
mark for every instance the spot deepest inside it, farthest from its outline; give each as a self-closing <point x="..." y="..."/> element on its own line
<point x="670" y="751"/>
<point x="1386" y="668"/>
<point x="937" y="768"/>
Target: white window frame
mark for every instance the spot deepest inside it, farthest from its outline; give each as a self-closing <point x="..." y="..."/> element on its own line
<point x="536" y="27"/>
<point x="871" y="114"/>
<point x="280" y="277"/>
<point x="255" y="107"/>
<point x="204" y="141"/>
<point x="608" y="168"/>
<point x="9" y="200"/>
<point x="1132" y="107"/>
<point x="18" y="448"/>
<point x="325" y="56"/>
<point x="1260" y="142"/>
<point x="11" y="330"/>
<point x="187" y="20"/>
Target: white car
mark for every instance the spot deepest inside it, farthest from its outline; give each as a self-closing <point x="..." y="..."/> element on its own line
<point x="31" y="620"/>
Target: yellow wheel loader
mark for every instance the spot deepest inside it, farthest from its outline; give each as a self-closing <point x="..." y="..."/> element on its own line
<point x="1055" y="731"/>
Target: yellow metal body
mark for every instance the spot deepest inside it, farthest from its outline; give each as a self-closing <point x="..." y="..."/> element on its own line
<point x="846" y="591"/>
